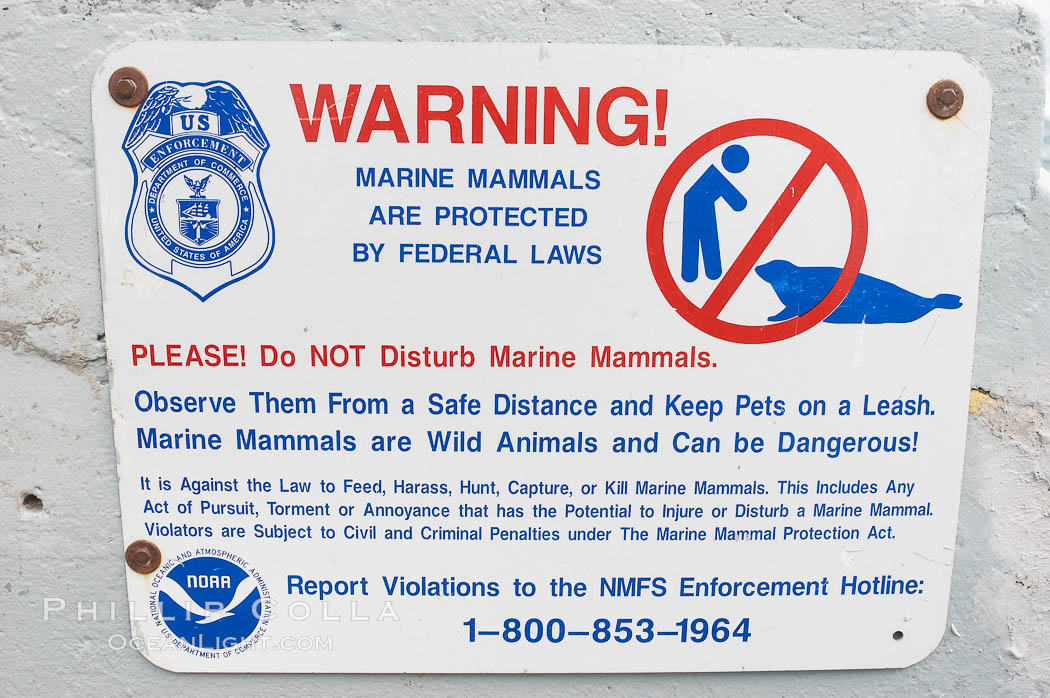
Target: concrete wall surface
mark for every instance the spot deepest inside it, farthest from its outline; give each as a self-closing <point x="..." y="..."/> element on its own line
<point x="56" y="440"/>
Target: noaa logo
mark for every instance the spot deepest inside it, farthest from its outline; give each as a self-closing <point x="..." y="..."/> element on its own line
<point x="197" y="216"/>
<point x="210" y="603"/>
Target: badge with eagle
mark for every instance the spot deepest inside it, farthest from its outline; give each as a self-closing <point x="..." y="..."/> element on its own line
<point x="198" y="217"/>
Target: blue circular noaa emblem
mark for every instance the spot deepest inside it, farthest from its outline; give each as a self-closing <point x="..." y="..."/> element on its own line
<point x="210" y="601"/>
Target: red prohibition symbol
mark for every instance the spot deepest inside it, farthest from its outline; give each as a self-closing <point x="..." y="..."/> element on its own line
<point x="705" y="317"/>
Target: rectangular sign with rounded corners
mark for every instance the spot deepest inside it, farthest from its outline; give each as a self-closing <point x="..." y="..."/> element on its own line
<point x="538" y="358"/>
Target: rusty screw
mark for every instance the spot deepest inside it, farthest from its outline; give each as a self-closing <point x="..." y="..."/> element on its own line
<point x="944" y="99"/>
<point x="142" y="556"/>
<point x="128" y="86"/>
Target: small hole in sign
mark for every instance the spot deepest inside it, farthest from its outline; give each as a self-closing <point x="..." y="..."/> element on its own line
<point x="32" y="502"/>
<point x="898" y="635"/>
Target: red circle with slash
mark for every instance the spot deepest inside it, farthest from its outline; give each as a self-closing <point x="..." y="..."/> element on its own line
<point x="705" y="317"/>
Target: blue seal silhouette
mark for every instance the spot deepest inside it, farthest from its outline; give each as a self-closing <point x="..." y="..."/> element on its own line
<point x="871" y="301"/>
<point x="210" y="603"/>
<point x="198" y="217"/>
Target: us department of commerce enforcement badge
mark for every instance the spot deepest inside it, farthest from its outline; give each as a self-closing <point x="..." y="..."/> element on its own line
<point x="198" y="217"/>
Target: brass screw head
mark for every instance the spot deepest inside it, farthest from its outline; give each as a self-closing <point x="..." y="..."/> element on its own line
<point x="944" y="99"/>
<point x="143" y="556"/>
<point x="128" y="86"/>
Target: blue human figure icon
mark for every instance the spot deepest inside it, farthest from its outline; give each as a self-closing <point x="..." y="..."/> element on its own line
<point x="699" y="220"/>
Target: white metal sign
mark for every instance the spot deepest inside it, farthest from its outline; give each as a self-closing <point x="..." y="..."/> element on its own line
<point x="539" y="358"/>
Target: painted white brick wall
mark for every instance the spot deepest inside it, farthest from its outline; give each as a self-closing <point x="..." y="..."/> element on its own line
<point x="55" y="436"/>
